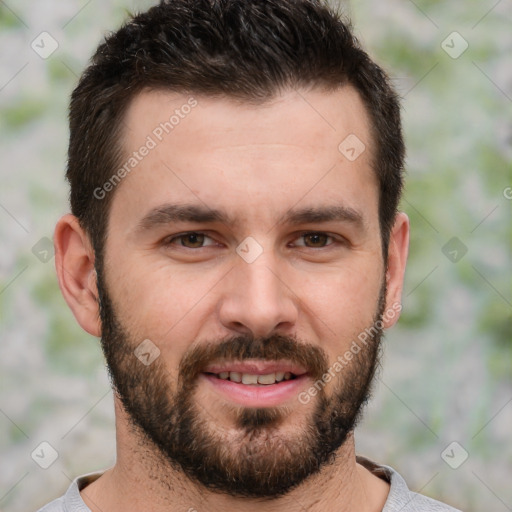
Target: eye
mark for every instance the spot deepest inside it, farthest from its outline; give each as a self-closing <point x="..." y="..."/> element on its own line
<point x="191" y="240"/>
<point x="197" y="240"/>
<point x="317" y="240"/>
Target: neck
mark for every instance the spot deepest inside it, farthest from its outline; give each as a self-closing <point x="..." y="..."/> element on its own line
<point x="142" y="479"/>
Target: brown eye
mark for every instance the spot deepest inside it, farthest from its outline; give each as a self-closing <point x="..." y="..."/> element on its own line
<point x="316" y="239"/>
<point x="194" y="239"/>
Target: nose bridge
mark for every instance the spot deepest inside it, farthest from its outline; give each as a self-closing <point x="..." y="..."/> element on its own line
<point x="261" y="279"/>
<point x="256" y="298"/>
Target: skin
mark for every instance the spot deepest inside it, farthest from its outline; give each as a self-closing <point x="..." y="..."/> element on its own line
<point x="256" y="163"/>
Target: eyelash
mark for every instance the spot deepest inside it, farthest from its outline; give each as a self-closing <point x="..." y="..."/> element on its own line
<point x="169" y="241"/>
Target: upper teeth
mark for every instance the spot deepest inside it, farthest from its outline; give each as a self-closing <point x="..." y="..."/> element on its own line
<point x="248" y="378"/>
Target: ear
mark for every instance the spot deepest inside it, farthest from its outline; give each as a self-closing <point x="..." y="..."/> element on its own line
<point x="74" y="262"/>
<point x="398" y="250"/>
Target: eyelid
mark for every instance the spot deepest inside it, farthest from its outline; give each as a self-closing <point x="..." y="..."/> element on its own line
<point x="167" y="240"/>
<point x="335" y="239"/>
<point x="329" y="235"/>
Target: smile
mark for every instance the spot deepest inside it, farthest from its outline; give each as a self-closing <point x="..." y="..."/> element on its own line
<point x="256" y="383"/>
<point x="254" y="379"/>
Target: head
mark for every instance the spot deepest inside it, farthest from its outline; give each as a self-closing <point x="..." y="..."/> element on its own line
<point x="235" y="171"/>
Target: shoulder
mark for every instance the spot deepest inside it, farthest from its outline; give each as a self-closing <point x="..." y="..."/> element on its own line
<point x="401" y="498"/>
<point x="404" y="500"/>
<point x="71" y="501"/>
<point x="54" y="506"/>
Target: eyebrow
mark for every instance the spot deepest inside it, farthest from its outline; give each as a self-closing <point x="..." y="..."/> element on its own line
<point x="174" y="213"/>
<point x="336" y="213"/>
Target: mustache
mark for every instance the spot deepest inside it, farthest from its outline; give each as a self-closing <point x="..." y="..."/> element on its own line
<point x="239" y="348"/>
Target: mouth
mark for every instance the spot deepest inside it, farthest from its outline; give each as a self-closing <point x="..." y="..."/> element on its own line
<point x="254" y="379"/>
<point x="257" y="383"/>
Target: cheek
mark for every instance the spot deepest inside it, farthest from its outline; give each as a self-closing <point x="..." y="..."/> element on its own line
<point x="341" y="308"/>
<point x="344" y="297"/>
<point x="162" y="303"/>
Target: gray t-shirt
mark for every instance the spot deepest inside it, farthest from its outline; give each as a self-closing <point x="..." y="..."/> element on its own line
<point x="400" y="498"/>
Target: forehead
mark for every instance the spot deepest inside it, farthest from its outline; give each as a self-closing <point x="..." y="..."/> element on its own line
<point x="309" y="146"/>
<point x="312" y="115"/>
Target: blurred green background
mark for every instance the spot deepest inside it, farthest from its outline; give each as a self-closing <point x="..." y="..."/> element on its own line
<point x="447" y="370"/>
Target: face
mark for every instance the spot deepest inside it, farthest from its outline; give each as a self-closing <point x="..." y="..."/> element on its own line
<point x="244" y="246"/>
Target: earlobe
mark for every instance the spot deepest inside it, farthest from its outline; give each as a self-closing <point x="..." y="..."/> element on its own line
<point x="398" y="250"/>
<point x="74" y="262"/>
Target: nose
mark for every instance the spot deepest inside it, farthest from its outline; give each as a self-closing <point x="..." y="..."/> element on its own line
<point x="256" y="299"/>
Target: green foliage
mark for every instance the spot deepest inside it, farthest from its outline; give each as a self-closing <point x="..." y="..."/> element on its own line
<point x="69" y="350"/>
<point x="23" y="112"/>
<point x="8" y="19"/>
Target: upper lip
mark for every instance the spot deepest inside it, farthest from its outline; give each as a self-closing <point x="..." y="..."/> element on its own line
<point x="255" y="367"/>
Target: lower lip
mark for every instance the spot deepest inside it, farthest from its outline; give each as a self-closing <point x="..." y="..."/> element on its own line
<point x="253" y="395"/>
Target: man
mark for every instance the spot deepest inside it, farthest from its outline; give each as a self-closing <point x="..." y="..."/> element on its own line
<point x="235" y="170"/>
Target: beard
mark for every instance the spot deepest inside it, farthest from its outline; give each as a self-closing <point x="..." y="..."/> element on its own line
<point x="258" y="458"/>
